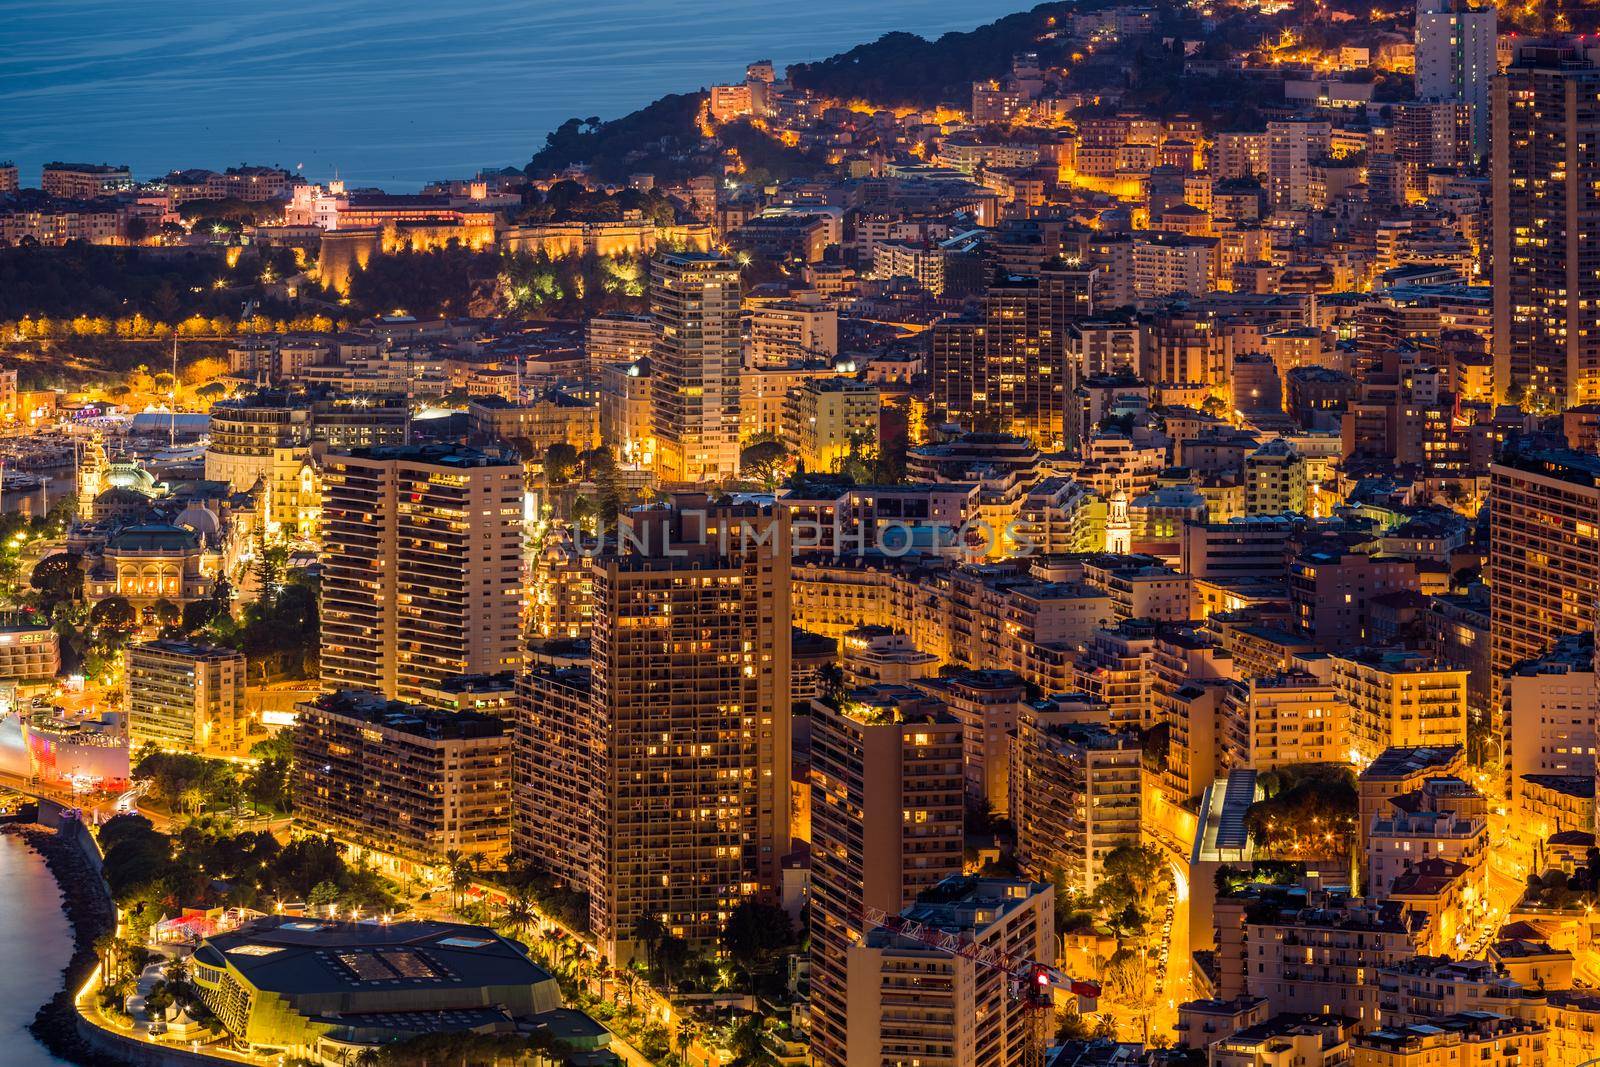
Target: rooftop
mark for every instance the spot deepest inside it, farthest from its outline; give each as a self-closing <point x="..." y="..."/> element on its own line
<point x="405" y="718"/>
<point x="308" y="956"/>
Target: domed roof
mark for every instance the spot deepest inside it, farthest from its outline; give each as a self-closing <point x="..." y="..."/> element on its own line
<point x="132" y="476"/>
<point x="202" y="520"/>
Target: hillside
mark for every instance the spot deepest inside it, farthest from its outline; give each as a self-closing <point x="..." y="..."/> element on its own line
<point x="898" y="69"/>
<point x="902" y="69"/>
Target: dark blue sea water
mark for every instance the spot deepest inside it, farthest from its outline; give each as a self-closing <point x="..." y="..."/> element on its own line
<point x="391" y="92"/>
<point x="35" y="944"/>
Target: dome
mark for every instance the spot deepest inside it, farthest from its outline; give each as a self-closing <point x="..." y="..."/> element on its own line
<point x="201" y="520"/>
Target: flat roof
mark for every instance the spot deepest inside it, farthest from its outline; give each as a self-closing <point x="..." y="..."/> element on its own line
<point x="298" y="956"/>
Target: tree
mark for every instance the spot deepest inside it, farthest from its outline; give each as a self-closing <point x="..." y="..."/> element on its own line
<point x="754" y="934"/>
<point x="518" y="914"/>
<point x="165" y="614"/>
<point x="57" y="578"/>
<point x="560" y="463"/>
<point x="323" y="894"/>
<point x="267" y="783"/>
<point x="608" y="486"/>
<point x="192" y="800"/>
<point x="672" y="956"/>
<point x="270" y="563"/>
<point x="458" y="869"/>
<point x="764" y="461"/>
<point x="648" y="930"/>
<point x="158" y="1000"/>
<point x="1311" y="813"/>
<point x="746" y="1044"/>
<point x="1071" y="1026"/>
<point x="1127" y="982"/>
<point x="1142" y="870"/>
<point x="113" y="616"/>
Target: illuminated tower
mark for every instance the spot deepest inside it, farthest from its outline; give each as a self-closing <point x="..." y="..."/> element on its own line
<point x="689" y="709"/>
<point x="421" y="567"/>
<point x="91" y="474"/>
<point x="1455" y="54"/>
<point x="1546" y="214"/>
<point x="1119" y="530"/>
<point x="695" y="300"/>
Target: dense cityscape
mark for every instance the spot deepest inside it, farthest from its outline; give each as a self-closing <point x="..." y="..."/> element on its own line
<point x="1073" y="544"/>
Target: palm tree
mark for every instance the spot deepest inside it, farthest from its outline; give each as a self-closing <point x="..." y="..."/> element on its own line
<point x="519" y="913"/>
<point x="105" y="948"/>
<point x="454" y="863"/>
<point x="629" y="982"/>
<point x="192" y="801"/>
<point x="648" y="930"/>
<point x="688" y="1030"/>
<point x="176" y="972"/>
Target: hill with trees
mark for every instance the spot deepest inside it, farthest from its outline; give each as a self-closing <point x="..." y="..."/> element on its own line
<point x="903" y="69"/>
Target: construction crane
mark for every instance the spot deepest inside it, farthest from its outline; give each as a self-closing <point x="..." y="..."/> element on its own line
<point x="1032" y="984"/>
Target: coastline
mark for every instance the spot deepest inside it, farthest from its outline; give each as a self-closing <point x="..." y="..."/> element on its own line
<point x="90" y="913"/>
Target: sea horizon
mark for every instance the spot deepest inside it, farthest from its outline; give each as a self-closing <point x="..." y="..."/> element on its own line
<point x="394" y="93"/>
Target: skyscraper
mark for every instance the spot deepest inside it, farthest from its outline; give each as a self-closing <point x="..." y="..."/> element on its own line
<point x="1006" y="367"/>
<point x="1546" y="215"/>
<point x="553" y="769"/>
<point x="886" y="824"/>
<point x="1544" y="550"/>
<point x="421" y="567"/>
<point x="689" y="705"/>
<point x="1293" y="145"/>
<point x="1455" y="55"/>
<point x="695" y="300"/>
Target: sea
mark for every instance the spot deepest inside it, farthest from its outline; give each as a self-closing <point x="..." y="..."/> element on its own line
<point x="35" y="944"/>
<point x="386" y="92"/>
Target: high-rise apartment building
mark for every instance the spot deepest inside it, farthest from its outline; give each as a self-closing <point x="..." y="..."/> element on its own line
<point x="826" y="420"/>
<point x="84" y="181"/>
<point x="1544" y="550"/>
<point x="1281" y="719"/>
<point x="1275" y="480"/>
<point x="694" y="299"/>
<point x="886" y="825"/>
<point x="1546" y="212"/>
<point x="783" y="330"/>
<point x="1551" y="702"/>
<point x="690" y="706"/>
<point x="408" y="781"/>
<point x="421" y="567"/>
<point x="1075" y="795"/>
<point x="1455" y="55"/>
<point x="553" y="767"/>
<point x="618" y="337"/>
<point x="1293" y="145"/>
<point x="913" y="1004"/>
<point x="186" y="697"/>
<point x="1006" y="367"/>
